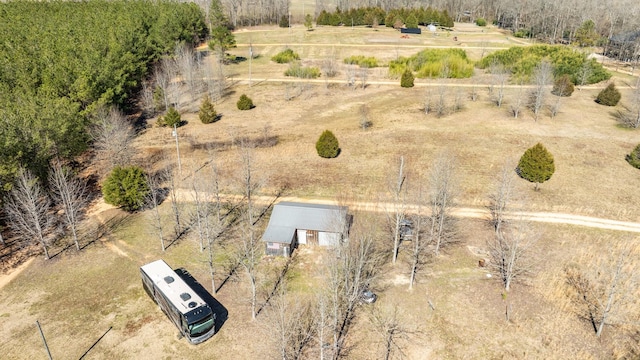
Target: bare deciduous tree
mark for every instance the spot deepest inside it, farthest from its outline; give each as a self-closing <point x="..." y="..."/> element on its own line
<point x="176" y="206"/>
<point x="542" y="76"/>
<point x="153" y="200"/>
<point x="388" y="325"/>
<point x="71" y="193"/>
<point x="441" y="99"/>
<point x="510" y="251"/>
<point x="329" y="66"/>
<point x="364" y="76"/>
<point x="397" y="214"/>
<point x="502" y="196"/>
<point x="419" y="243"/>
<point x="350" y="74"/>
<point x="499" y="75"/>
<point x="250" y="251"/>
<point x="428" y="100"/>
<point x="348" y="274"/>
<point x="365" y="122"/>
<point x="604" y="287"/>
<point x="112" y="137"/>
<point x="518" y="100"/>
<point x="294" y="320"/>
<point x="29" y="209"/>
<point x="630" y="117"/>
<point x="584" y="74"/>
<point x="443" y="191"/>
<point x="187" y="65"/>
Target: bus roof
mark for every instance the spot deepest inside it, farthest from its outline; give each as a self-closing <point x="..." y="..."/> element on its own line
<point x="172" y="286"/>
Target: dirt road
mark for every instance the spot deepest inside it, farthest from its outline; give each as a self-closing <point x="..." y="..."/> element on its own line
<point x="463" y="212"/>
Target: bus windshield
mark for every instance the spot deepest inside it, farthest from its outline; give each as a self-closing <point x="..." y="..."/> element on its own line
<point x="202" y="326"/>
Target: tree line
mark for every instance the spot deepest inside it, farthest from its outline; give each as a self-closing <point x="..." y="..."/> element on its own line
<point x="396" y="17"/>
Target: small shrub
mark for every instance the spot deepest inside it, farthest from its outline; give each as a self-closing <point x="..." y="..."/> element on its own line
<point x="207" y="113"/>
<point x="285" y="56"/>
<point x="481" y="22"/>
<point x="126" y="187"/>
<point x="563" y="86"/>
<point x="171" y="118"/>
<point x="245" y="103"/>
<point x="634" y="158"/>
<point x="407" y="79"/>
<point x="298" y="71"/>
<point x="609" y="96"/>
<point x="327" y="145"/>
<point x="362" y="61"/>
<point x="522" y="33"/>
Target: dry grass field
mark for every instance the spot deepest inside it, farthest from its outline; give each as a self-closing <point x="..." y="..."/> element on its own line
<point x="79" y="297"/>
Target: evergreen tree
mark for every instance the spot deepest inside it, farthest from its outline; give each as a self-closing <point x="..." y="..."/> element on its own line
<point x="563" y="86"/>
<point x="609" y="96"/>
<point x="308" y="22"/>
<point x="634" y="158"/>
<point x="126" y="187"/>
<point x="245" y="103"/>
<point x="327" y="145"/>
<point x="412" y="22"/>
<point x="586" y="34"/>
<point x="284" y="21"/>
<point x="222" y="38"/>
<point x="172" y="117"/>
<point x="407" y="79"/>
<point x="207" y="112"/>
<point x="536" y="165"/>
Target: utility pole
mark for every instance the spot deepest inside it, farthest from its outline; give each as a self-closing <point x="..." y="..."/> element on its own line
<point x="44" y="340"/>
<point x="175" y="134"/>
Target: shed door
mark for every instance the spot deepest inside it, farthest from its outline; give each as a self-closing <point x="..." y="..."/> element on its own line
<point x="312" y="237"/>
<point x="329" y="239"/>
<point x="302" y="237"/>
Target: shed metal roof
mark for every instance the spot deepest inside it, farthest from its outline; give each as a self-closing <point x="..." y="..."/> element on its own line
<point x="287" y="217"/>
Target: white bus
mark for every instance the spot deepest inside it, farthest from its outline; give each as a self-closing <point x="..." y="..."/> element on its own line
<point x="193" y="317"/>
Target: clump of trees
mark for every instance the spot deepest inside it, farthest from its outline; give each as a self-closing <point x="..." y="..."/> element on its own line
<point x="245" y="103"/>
<point x="609" y="96"/>
<point x="522" y="61"/>
<point x="285" y="56"/>
<point x="536" y="165"/>
<point x="406" y="81"/>
<point x="362" y="61"/>
<point x="90" y="54"/>
<point x="327" y="145"/>
<point x="435" y="63"/>
<point x="126" y="187"/>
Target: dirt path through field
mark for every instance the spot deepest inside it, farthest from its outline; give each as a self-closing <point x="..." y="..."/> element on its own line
<point x="464" y="212"/>
<point x="6" y="278"/>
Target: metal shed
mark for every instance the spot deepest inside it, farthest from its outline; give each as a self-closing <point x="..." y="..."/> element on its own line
<point x="293" y="223"/>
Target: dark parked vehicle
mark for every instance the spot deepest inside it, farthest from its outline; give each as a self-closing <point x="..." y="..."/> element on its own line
<point x="368" y="297"/>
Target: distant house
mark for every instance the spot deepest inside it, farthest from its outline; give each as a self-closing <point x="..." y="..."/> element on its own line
<point x="410" y="31"/>
<point x="625" y="47"/>
<point x="294" y="223"/>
